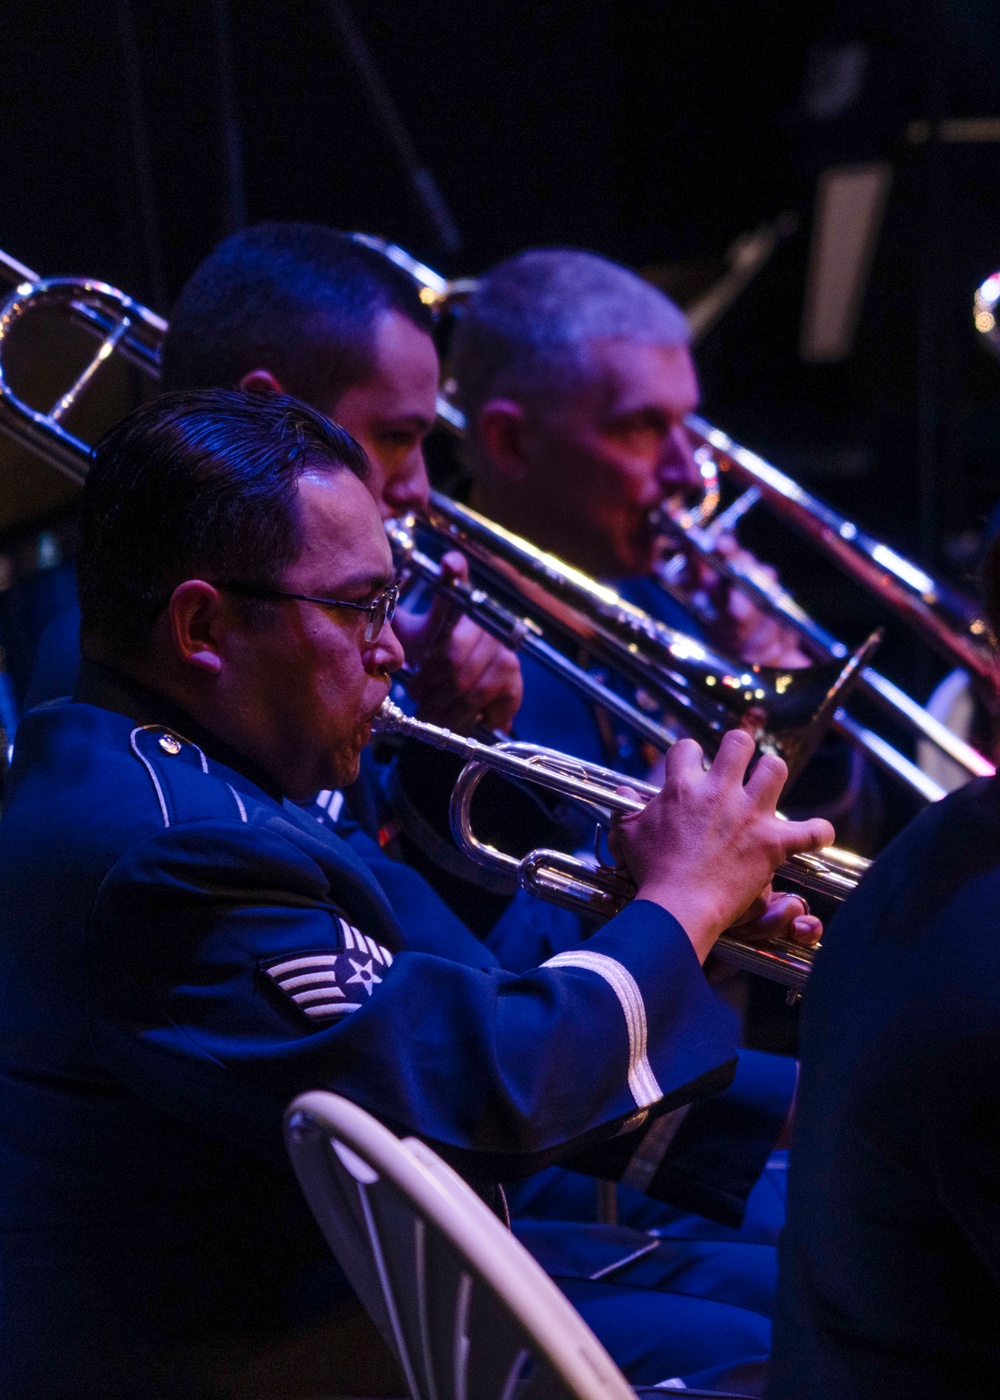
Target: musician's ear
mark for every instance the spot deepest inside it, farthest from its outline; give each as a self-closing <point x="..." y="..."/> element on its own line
<point x="260" y="381"/>
<point x="501" y="431"/>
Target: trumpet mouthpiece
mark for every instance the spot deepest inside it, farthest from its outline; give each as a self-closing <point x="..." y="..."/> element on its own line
<point x="389" y="719"/>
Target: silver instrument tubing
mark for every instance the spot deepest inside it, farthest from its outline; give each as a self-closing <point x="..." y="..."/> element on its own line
<point x="591" y="888"/>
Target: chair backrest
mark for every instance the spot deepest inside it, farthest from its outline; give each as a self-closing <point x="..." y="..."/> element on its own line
<point x="465" y="1308"/>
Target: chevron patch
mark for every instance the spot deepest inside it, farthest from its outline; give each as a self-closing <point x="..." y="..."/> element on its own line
<point x="324" y="985"/>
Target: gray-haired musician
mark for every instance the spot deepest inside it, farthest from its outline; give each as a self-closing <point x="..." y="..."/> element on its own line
<point x="575" y="377"/>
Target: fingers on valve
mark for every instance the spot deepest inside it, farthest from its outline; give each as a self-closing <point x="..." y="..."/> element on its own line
<point x="685" y="757"/>
<point x="767" y="779"/>
<point x="736" y="749"/>
<point x="456" y="565"/>
<point x="811" y="835"/>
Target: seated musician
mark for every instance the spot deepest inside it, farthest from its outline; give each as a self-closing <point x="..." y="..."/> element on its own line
<point x="288" y="306"/>
<point x="890" y="1266"/>
<point x="291" y="305"/>
<point x="236" y="595"/>
<point x="575" y="377"/>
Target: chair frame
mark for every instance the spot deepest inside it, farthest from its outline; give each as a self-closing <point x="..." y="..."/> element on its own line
<point x="367" y="1151"/>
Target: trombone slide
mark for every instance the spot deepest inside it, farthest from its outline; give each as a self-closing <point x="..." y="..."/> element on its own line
<point x="772" y="596"/>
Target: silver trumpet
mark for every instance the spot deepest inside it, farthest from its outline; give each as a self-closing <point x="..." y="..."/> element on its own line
<point x="592" y="888"/>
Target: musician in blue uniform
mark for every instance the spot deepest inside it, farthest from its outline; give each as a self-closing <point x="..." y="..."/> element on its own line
<point x="575" y="377"/>
<point x="289" y="306"/>
<point x="890" y="1264"/>
<point x="299" y="306"/>
<point x="184" y="950"/>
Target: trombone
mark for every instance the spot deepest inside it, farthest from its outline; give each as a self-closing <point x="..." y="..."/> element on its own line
<point x="120" y="324"/>
<point x="594" y="889"/>
<point x="786" y="711"/>
<point x="946" y="619"/>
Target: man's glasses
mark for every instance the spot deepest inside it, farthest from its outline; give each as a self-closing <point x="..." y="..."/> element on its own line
<point x="380" y="610"/>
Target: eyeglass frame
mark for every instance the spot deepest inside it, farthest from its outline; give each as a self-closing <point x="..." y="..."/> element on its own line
<point x="384" y="602"/>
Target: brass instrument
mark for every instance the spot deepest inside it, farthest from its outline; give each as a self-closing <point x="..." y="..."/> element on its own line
<point x="594" y="889"/>
<point x="948" y="620"/>
<point x="785" y="711"/>
<point x="119" y="323"/>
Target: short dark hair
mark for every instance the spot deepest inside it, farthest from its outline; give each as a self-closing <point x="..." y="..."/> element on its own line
<point x="195" y="484"/>
<point x="300" y="300"/>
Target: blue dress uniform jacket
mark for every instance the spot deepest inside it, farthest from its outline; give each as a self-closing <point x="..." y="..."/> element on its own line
<point x="717" y="1157"/>
<point x="180" y="955"/>
<point x="890" y="1265"/>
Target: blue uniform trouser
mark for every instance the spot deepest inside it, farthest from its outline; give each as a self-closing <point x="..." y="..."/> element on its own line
<point x="672" y="1296"/>
<point x="689" y="1311"/>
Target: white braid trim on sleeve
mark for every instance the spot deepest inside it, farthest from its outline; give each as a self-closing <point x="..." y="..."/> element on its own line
<point x="641" y="1079"/>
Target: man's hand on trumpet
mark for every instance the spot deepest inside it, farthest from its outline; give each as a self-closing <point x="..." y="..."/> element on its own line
<point x="707" y="845"/>
<point x="460" y="676"/>
<point x="778" y="914"/>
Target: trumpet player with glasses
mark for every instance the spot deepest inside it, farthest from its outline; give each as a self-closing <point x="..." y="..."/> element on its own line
<point x="199" y="950"/>
<point x="303" y="307"/>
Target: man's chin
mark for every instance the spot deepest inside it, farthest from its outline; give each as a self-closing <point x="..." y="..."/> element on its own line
<point x="348" y="768"/>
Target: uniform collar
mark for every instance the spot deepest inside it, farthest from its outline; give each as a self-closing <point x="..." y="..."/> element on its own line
<point x="101" y="685"/>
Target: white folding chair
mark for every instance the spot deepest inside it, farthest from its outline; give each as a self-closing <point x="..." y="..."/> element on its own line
<point x="464" y="1307"/>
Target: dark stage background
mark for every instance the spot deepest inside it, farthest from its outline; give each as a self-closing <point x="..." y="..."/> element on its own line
<point x="138" y="132"/>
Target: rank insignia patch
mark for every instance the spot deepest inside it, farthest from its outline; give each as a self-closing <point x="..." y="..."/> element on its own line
<point x="325" y="985"/>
